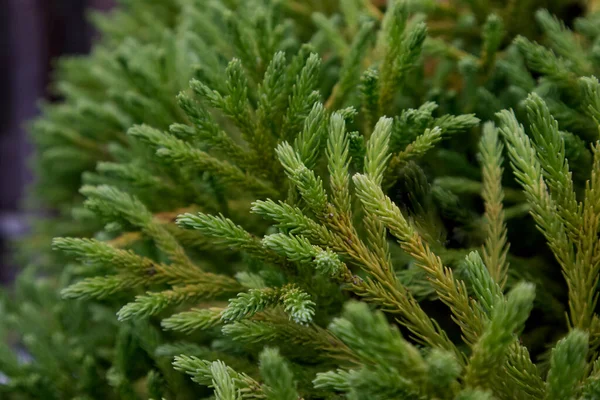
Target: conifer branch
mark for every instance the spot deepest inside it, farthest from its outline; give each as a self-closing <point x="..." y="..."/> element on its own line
<point x="550" y="150"/>
<point x="292" y="220"/>
<point x="175" y="151"/>
<point x="590" y="88"/>
<point x="208" y="131"/>
<point x="196" y="319"/>
<point x="587" y="259"/>
<point x="202" y="372"/>
<point x="369" y="87"/>
<point x="303" y="95"/>
<point x="421" y="145"/>
<point x="567" y="365"/>
<point x="375" y="164"/>
<point x="225" y="232"/>
<point x="451" y="291"/>
<point x="308" y="184"/>
<point x="402" y="48"/>
<point x="496" y="247"/>
<point x="563" y="41"/>
<point x="547" y="63"/>
<point x="309" y="142"/>
<point x="528" y="171"/>
<point x="351" y="67"/>
<point x="338" y="163"/>
<point x="295" y="302"/>
<point x="493" y="34"/>
<point x="279" y="379"/>
<point x="153" y="303"/>
<point x="275" y="328"/>
<point x="106" y="199"/>
<point x="492" y="346"/>
<point x="101" y="287"/>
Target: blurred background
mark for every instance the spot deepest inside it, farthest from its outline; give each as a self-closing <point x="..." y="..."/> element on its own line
<point x="32" y="34"/>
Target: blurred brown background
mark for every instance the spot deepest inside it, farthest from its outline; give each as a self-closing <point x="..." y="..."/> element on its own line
<point x="32" y="34"/>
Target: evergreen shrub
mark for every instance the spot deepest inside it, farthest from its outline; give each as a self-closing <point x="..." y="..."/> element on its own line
<point x="316" y="199"/>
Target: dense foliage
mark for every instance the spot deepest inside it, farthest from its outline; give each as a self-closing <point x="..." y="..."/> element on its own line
<point x="286" y="199"/>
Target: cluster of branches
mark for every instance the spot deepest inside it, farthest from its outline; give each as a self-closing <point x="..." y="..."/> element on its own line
<point x="270" y="209"/>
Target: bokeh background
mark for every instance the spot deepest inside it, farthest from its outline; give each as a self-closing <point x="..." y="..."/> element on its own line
<point x="33" y="33"/>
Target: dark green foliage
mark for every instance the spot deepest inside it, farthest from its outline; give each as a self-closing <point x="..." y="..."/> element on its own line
<point x="286" y="199"/>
